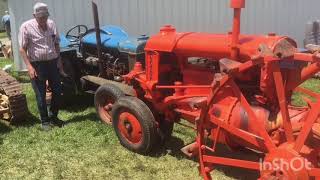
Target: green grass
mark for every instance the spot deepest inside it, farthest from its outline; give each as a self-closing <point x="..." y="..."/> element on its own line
<point x="312" y="84"/>
<point x="20" y="76"/>
<point x="3" y="35"/>
<point x="88" y="149"/>
<point x="4" y="61"/>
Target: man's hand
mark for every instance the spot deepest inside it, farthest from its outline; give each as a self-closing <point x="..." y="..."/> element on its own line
<point x="60" y="67"/>
<point x="62" y="73"/>
<point x="32" y="72"/>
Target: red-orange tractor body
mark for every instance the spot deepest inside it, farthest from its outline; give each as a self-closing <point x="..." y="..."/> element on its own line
<point x="236" y="90"/>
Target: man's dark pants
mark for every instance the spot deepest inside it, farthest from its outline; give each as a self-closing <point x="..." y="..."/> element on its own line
<point x="47" y="70"/>
<point x="8" y="29"/>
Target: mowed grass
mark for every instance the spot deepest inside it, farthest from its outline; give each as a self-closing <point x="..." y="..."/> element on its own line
<point x="3" y="35"/>
<point x="88" y="149"/>
<point x="4" y="61"/>
<point x="312" y="84"/>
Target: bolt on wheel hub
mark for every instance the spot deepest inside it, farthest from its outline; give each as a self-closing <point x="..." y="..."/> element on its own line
<point x="130" y="127"/>
<point x="104" y="111"/>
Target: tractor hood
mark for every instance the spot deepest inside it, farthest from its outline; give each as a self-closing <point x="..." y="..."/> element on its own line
<point x="217" y="45"/>
<point x="133" y="45"/>
<point x="110" y="37"/>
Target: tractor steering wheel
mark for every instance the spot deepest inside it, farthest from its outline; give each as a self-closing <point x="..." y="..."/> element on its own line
<point x="75" y="36"/>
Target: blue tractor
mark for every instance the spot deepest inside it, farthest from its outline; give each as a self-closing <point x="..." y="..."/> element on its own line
<point x="82" y="63"/>
<point x="95" y="61"/>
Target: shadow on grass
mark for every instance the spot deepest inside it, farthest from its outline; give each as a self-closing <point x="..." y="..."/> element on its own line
<point x="79" y="118"/>
<point x="29" y="121"/>
<point x="77" y="103"/>
<point x="173" y="146"/>
<point x="4" y="127"/>
<point x="242" y="154"/>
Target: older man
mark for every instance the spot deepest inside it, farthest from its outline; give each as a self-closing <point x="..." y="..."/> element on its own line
<point x="39" y="48"/>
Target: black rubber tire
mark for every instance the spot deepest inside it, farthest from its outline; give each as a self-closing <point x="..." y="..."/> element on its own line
<point x="104" y="94"/>
<point x="146" y="120"/>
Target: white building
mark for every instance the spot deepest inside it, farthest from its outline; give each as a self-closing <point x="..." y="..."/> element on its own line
<point x="286" y="17"/>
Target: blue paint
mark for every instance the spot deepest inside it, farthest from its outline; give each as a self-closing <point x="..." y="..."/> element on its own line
<point x="133" y="45"/>
<point x="64" y="42"/>
<point x="113" y="38"/>
<point x="110" y="37"/>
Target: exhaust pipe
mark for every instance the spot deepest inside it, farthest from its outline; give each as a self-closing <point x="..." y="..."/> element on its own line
<point x="236" y="5"/>
<point x="98" y="39"/>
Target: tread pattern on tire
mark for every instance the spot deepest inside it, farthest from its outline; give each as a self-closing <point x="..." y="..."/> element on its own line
<point x="146" y="119"/>
<point x="103" y="92"/>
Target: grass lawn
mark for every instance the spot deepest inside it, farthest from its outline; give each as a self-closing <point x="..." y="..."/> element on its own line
<point x="4" y="61"/>
<point x="3" y="35"/>
<point x="88" y="149"/>
<point x="85" y="149"/>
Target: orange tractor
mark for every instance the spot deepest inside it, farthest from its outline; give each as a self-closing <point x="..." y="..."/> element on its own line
<point x="236" y="89"/>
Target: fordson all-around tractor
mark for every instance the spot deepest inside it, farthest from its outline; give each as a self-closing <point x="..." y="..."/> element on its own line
<point x="236" y="89"/>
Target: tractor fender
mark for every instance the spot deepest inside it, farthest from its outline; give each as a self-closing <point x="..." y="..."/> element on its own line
<point x="128" y="90"/>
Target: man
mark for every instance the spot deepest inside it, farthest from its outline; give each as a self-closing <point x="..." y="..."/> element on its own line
<point x="6" y="24"/>
<point x="39" y="48"/>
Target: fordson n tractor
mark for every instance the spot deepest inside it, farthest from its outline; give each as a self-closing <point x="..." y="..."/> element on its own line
<point x="235" y="89"/>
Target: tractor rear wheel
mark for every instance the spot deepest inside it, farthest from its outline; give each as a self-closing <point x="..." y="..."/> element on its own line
<point x="104" y="98"/>
<point x="134" y="124"/>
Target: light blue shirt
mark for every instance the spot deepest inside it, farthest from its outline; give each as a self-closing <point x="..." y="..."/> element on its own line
<point x="6" y="19"/>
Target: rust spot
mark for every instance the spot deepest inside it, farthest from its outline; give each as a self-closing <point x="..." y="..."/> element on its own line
<point x="284" y="49"/>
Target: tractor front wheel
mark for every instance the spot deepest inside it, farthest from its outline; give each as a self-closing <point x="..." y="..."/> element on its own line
<point x="104" y="98"/>
<point x="134" y="124"/>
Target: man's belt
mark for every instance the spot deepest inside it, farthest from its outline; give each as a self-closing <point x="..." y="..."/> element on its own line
<point x="44" y="61"/>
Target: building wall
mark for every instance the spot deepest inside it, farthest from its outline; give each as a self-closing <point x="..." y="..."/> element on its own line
<point x="286" y="17"/>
